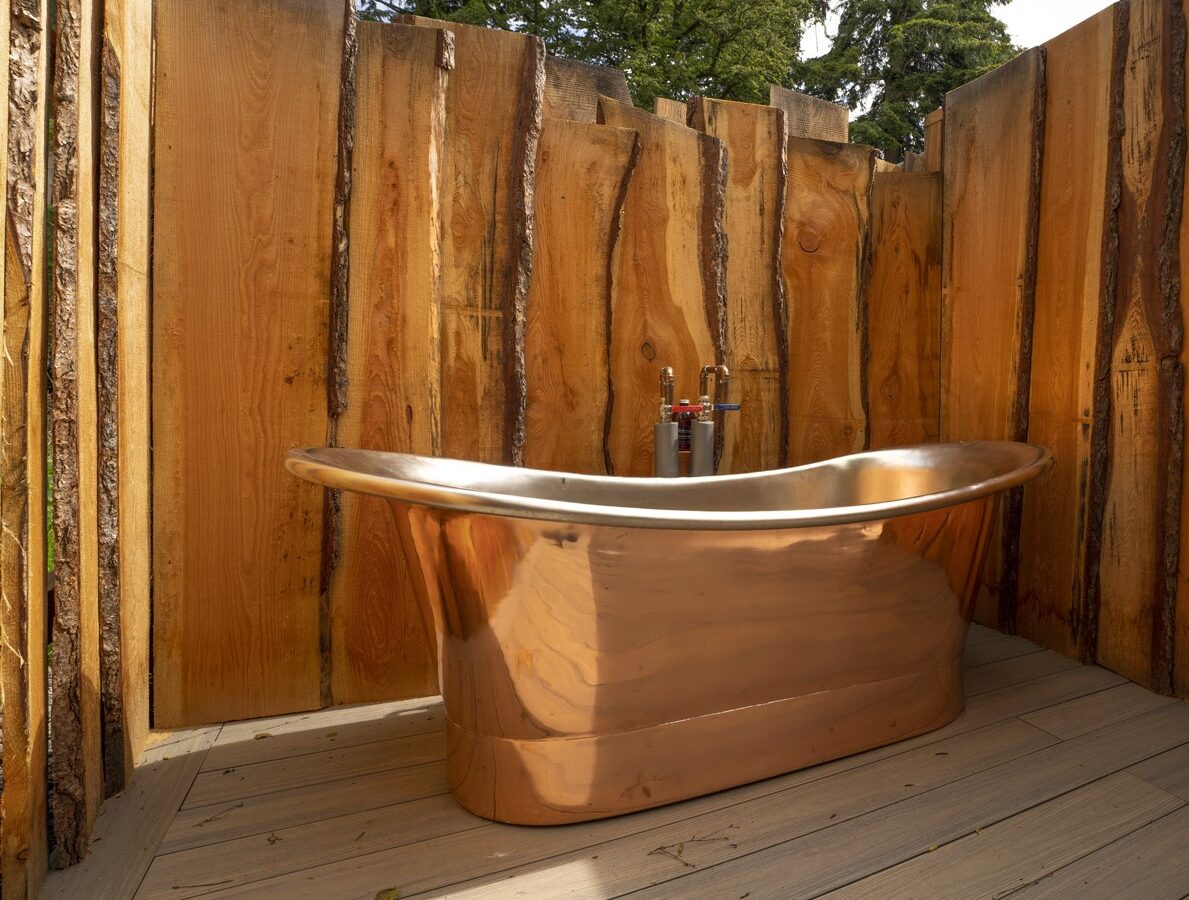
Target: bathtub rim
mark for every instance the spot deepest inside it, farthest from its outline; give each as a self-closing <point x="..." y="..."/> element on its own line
<point x="330" y="467"/>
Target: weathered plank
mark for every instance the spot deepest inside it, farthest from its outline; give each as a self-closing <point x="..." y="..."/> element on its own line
<point x="667" y="290"/>
<point x="76" y="772"/>
<point x="825" y="264"/>
<point x="904" y="310"/>
<point x="572" y="88"/>
<point x="379" y="645"/>
<point x="132" y="825"/>
<point x="753" y="220"/>
<point x="1056" y="516"/>
<point x="493" y="119"/>
<point x="1070" y="720"/>
<point x="994" y="139"/>
<point x="243" y="195"/>
<point x="1181" y="622"/>
<point x="23" y="632"/>
<point x="809" y="117"/>
<point x="673" y="110"/>
<point x="123" y="382"/>
<point x="934" y="139"/>
<point x="1145" y="414"/>
<point x="583" y="173"/>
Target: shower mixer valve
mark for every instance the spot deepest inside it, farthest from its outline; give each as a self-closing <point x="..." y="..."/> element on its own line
<point x="688" y="428"/>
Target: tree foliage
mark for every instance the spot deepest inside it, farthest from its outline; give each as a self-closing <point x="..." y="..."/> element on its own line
<point x="671" y="48"/>
<point x="895" y="59"/>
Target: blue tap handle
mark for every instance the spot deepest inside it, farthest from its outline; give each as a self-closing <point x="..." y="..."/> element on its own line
<point x="726" y="407"/>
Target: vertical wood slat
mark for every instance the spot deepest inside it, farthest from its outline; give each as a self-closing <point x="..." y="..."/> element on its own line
<point x="77" y="761"/>
<point x="667" y="306"/>
<point x="245" y="167"/>
<point x="757" y="344"/>
<point x="1142" y="497"/>
<point x="572" y="88"/>
<point x="123" y="380"/>
<point x="393" y="397"/>
<point x="493" y="119"/>
<point x="934" y="139"/>
<point x="810" y="117"/>
<point x="904" y="310"/>
<point x="993" y="144"/>
<point x="583" y="174"/>
<point x="825" y="268"/>
<point x="1057" y="520"/>
<point x="1180" y="685"/>
<point x="23" y="634"/>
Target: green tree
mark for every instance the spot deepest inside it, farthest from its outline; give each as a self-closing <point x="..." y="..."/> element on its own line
<point x="673" y="48"/>
<point x="895" y="60"/>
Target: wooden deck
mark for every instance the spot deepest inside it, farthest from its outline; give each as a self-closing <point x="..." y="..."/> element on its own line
<point x="1058" y="781"/>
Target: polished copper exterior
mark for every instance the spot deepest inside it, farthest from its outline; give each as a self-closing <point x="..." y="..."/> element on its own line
<point x="608" y="645"/>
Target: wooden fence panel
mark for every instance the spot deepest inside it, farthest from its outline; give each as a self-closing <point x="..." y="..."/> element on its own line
<point x="994" y="137"/>
<point x="572" y="88"/>
<point x="493" y="119"/>
<point x="244" y="193"/>
<point x="23" y="631"/>
<point x="667" y="305"/>
<point x="583" y="173"/>
<point x="673" y="110"/>
<point x="934" y="139"/>
<point x="77" y="761"/>
<point x="810" y="117"/>
<point x="379" y="644"/>
<point x="1056" y="519"/>
<point x="825" y="267"/>
<point x="904" y="310"/>
<point x="757" y="344"/>
<point x="1141" y="518"/>
<point x="125" y="565"/>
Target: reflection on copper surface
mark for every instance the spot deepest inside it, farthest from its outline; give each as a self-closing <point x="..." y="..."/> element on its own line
<point x="593" y="669"/>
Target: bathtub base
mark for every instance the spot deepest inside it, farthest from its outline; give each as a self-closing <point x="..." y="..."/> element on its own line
<point x="560" y="780"/>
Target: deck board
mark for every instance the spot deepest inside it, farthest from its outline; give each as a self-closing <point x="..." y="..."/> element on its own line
<point x="1056" y="779"/>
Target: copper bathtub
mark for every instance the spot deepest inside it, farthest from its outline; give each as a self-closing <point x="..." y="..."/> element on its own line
<point x="608" y="645"/>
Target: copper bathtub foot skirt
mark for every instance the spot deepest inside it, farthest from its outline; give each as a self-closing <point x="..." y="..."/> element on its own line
<point x="555" y="781"/>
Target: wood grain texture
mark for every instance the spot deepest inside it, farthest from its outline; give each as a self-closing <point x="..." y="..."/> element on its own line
<point x="1053" y="587"/>
<point x="825" y="266"/>
<point x="753" y="220"/>
<point x="23" y="633"/>
<point x="244" y="189"/>
<point x="493" y="119"/>
<point x="904" y="310"/>
<point x="1180" y="684"/>
<point x="1142" y="496"/>
<point x="673" y="110"/>
<point x="809" y="117"/>
<point x="934" y="139"/>
<point x="379" y="646"/>
<point x="993" y="147"/>
<point x="583" y="174"/>
<point x="123" y="372"/>
<point x="76" y="785"/>
<point x="572" y="88"/>
<point x="667" y="294"/>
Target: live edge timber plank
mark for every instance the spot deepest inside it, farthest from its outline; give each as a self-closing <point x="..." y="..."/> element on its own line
<point x="380" y="649"/>
<point x="23" y="634"/>
<point x="811" y="117"/>
<point x="76" y="770"/>
<point x="1145" y="415"/>
<point x="753" y="220"/>
<point x="667" y="289"/>
<point x="1057" y="514"/>
<point x="124" y="241"/>
<point x="825" y="264"/>
<point x="1181" y="620"/>
<point x="904" y="310"/>
<point x="993" y="145"/>
<point x="583" y="173"/>
<point x="572" y="88"/>
<point x="244" y="190"/>
<point x="493" y="123"/>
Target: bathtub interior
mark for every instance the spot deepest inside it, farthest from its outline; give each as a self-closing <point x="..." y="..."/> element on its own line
<point x="882" y="476"/>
